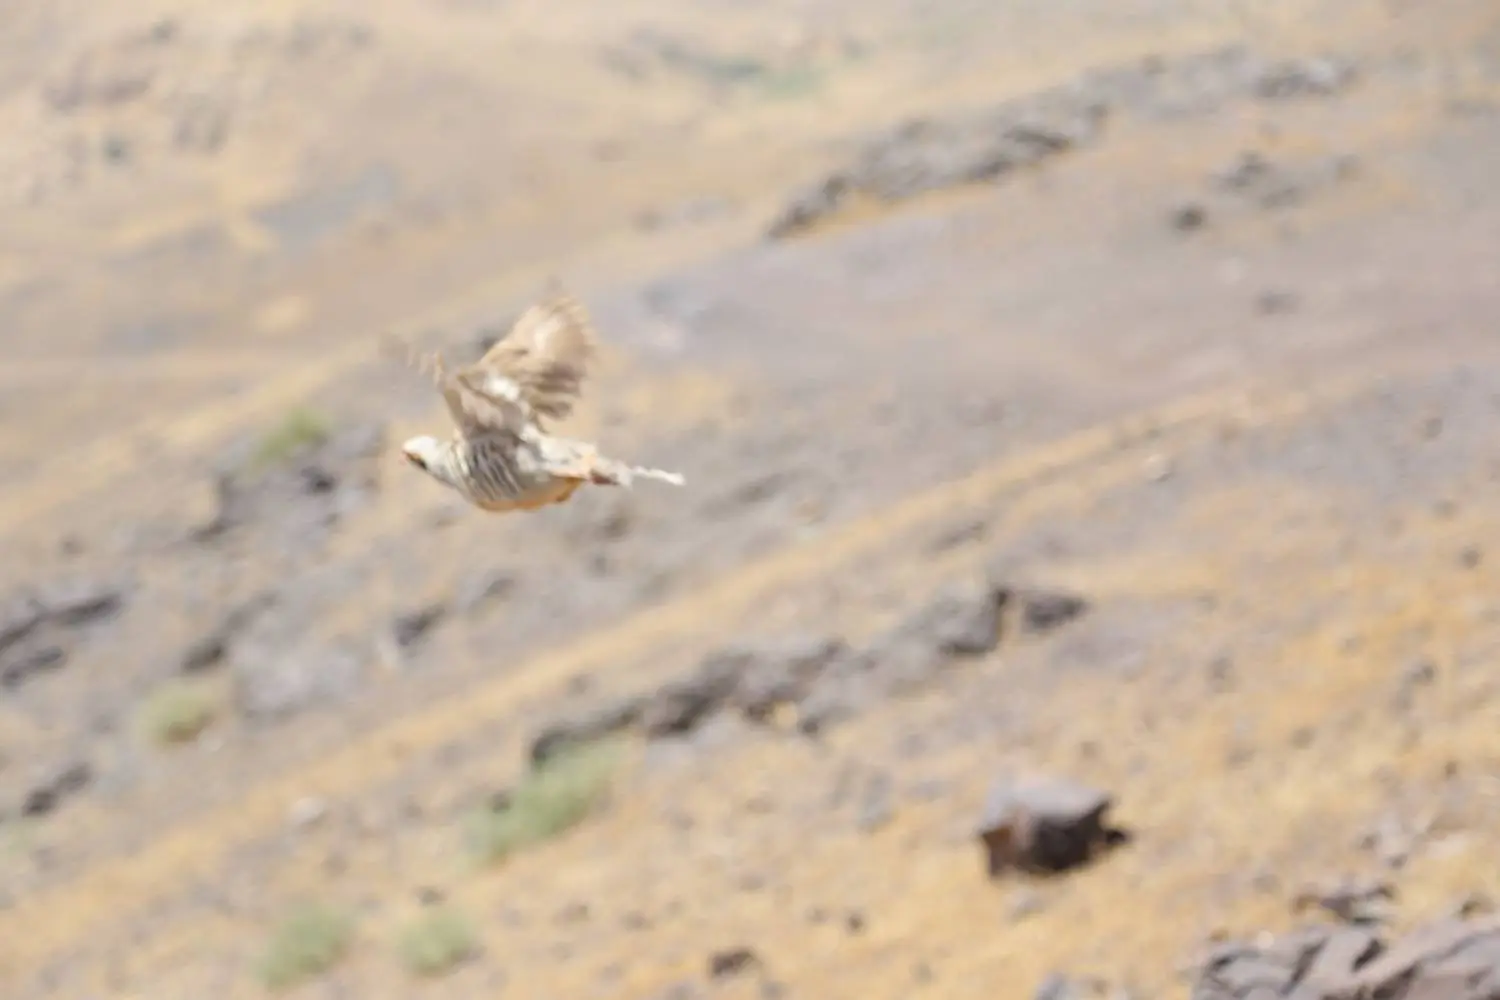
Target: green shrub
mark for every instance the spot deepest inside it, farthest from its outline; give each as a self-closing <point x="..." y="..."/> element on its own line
<point x="436" y="942"/>
<point x="307" y="943"/>
<point x="552" y="798"/>
<point x="302" y="428"/>
<point x="177" y="712"/>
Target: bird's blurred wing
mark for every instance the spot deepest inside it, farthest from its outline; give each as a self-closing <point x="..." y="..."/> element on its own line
<point x="542" y="362"/>
<point x="477" y="409"/>
<point x="471" y="404"/>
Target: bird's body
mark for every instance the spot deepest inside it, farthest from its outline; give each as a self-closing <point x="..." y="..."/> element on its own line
<point x="499" y="457"/>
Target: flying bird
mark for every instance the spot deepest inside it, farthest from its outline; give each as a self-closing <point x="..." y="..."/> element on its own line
<point x="500" y="457"/>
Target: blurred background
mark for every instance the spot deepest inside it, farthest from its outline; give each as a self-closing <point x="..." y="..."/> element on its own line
<point x="1087" y="414"/>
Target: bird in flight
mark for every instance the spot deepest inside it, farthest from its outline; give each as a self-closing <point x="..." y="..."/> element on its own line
<point x="500" y="457"/>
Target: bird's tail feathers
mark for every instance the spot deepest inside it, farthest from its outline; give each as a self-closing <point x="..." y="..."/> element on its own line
<point x="608" y="472"/>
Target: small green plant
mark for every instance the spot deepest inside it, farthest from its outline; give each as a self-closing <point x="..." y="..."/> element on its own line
<point x="792" y="84"/>
<point x="307" y="943"/>
<point x="436" y="942"/>
<point x="17" y="837"/>
<point x="302" y="428"/>
<point x="555" y="796"/>
<point x="177" y="712"/>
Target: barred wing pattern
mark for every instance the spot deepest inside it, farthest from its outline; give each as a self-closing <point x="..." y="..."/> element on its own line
<point x="543" y="360"/>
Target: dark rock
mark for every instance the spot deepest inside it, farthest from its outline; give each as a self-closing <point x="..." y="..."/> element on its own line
<point x="1353" y="901"/>
<point x="81" y="602"/>
<point x="732" y="962"/>
<point x="19" y="618"/>
<point x="409" y="628"/>
<point x="1452" y="958"/>
<point x="1275" y="303"/>
<point x="20" y="664"/>
<point x="587" y="728"/>
<point x="46" y="796"/>
<point x="35" y="627"/>
<point x="1047" y="610"/>
<point x="1188" y="217"/>
<point x="777" y="673"/>
<point x="926" y="155"/>
<point x="212" y="647"/>
<point x="958" y="622"/>
<point x="678" y="707"/>
<point x="1044" y="825"/>
<point x="810" y="206"/>
<point x="1248" y="169"/>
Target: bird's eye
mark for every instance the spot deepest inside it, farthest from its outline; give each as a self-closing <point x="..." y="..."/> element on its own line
<point x="417" y="460"/>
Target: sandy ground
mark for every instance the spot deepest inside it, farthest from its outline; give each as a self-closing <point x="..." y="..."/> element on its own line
<point x="1183" y="308"/>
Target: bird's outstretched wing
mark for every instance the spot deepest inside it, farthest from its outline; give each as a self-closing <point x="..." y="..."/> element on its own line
<point x="474" y="410"/>
<point x="542" y="362"/>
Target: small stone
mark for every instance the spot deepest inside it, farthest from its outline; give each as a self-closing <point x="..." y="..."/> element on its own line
<point x="1055" y="987"/>
<point x="732" y="962"/>
<point x="959" y="622"/>
<point x="307" y="812"/>
<point x="1275" y="302"/>
<point x="1025" y="904"/>
<point x="1417" y="676"/>
<point x="411" y="627"/>
<point x="1043" y="824"/>
<point x="1188" y="217"/>
<point x="1047" y="610"/>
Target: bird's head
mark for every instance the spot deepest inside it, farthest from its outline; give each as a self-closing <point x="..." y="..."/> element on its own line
<point x="426" y="453"/>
